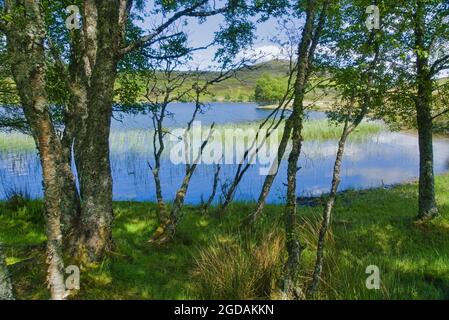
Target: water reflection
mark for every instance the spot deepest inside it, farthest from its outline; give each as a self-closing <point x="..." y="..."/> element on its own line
<point x="382" y="159"/>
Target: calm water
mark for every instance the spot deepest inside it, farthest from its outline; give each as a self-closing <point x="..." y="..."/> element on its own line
<point x="382" y="159"/>
<point x="220" y="113"/>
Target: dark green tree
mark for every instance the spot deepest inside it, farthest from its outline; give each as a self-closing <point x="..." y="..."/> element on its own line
<point x="270" y="90"/>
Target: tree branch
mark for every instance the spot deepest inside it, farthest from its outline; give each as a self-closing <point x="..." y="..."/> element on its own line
<point x="440" y="114"/>
<point x="439" y="65"/>
<point x="176" y="56"/>
<point x="152" y="37"/>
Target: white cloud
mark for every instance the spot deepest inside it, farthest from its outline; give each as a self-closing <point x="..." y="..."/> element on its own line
<point x="264" y="53"/>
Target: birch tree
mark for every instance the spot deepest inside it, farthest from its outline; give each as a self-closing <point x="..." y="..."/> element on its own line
<point x="26" y="50"/>
<point x="170" y="92"/>
<point x="87" y="60"/>
<point x="360" y="78"/>
<point x="417" y="57"/>
<point x="315" y="14"/>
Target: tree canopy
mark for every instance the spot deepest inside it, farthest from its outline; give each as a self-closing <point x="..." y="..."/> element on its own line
<point x="269" y="89"/>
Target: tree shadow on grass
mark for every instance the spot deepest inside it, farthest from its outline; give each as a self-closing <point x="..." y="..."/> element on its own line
<point x="375" y="227"/>
<point x="379" y="228"/>
<point x="139" y="270"/>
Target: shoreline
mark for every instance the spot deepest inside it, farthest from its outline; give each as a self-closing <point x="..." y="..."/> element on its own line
<point x="305" y="201"/>
<point x="319" y="105"/>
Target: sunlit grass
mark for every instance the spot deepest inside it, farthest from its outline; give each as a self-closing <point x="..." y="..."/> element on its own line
<point x="372" y="227"/>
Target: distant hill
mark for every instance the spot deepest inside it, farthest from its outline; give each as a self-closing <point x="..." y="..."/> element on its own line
<point x="241" y="88"/>
<point x="275" y="68"/>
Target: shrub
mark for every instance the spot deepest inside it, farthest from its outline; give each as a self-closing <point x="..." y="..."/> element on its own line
<point x="18" y="203"/>
<point x="16" y="199"/>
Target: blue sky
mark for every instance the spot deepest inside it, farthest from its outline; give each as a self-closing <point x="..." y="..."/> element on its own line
<point x="201" y="34"/>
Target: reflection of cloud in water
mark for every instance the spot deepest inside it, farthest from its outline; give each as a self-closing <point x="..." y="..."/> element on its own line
<point x="376" y="176"/>
<point x="17" y="166"/>
<point x="396" y="138"/>
<point x="383" y="147"/>
<point x="384" y="158"/>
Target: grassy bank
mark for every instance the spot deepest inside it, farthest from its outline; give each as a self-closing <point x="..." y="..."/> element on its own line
<point x="374" y="227"/>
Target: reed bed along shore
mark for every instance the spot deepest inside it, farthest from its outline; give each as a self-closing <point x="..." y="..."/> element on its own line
<point x="141" y="140"/>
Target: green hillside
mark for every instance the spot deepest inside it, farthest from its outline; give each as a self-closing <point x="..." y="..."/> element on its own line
<point x="241" y="88"/>
<point x="236" y="89"/>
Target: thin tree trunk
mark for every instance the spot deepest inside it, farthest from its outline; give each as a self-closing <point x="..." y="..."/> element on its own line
<point x="328" y="210"/>
<point x="167" y="229"/>
<point x="6" y="292"/>
<point x="249" y="157"/>
<point x="269" y="179"/>
<point x="159" y="197"/>
<point x="209" y="202"/>
<point x="309" y="42"/>
<point x="231" y="191"/>
<point x="294" y="248"/>
<point x="169" y="226"/>
<point x="50" y="157"/>
<point x="347" y="130"/>
<point x="70" y="208"/>
<point x="70" y="200"/>
<point x="158" y="149"/>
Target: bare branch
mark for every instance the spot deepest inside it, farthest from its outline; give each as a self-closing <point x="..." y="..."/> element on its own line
<point x="176" y="56"/>
<point x="153" y="36"/>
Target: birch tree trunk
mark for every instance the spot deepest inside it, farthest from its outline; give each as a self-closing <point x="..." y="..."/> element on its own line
<point x="6" y="292"/>
<point x="328" y="210"/>
<point x="349" y="126"/>
<point x="26" y="49"/>
<point x="93" y="73"/>
<point x="294" y="248"/>
<point x="423" y="105"/>
<point x="269" y="179"/>
<point x="96" y="51"/>
<point x="167" y="228"/>
<point x="306" y="51"/>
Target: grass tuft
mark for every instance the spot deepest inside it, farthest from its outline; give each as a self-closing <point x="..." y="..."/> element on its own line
<point x="239" y="270"/>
